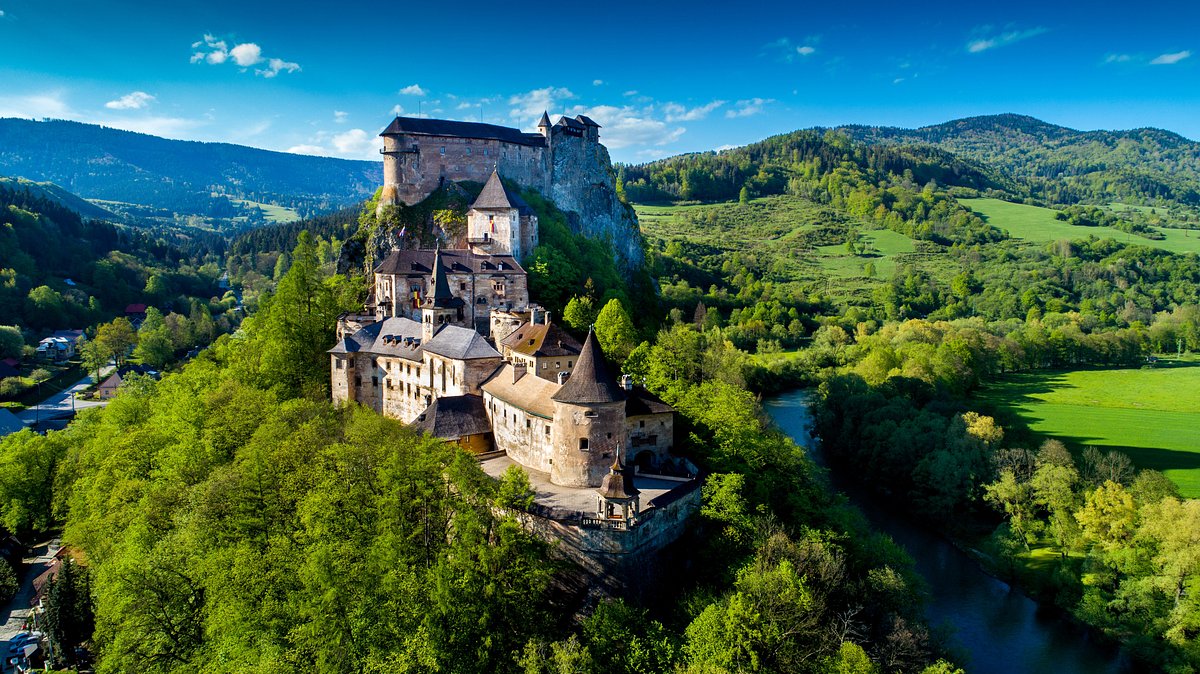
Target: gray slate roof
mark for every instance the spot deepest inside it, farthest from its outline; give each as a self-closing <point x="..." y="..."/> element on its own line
<point x="460" y="343"/>
<point x="398" y="337"/>
<point x="9" y="423"/>
<point x="454" y="417"/>
<point x="590" y="381"/>
<point x="443" y="127"/>
<point x="642" y="402"/>
<point x="542" y="339"/>
<point x="495" y="196"/>
<point x="454" y="261"/>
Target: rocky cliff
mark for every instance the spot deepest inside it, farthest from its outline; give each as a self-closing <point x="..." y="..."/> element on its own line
<point x="583" y="184"/>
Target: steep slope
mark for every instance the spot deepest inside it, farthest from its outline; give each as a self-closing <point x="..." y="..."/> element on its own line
<point x="1062" y="165"/>
<point x="52" y="192"/>
<point x="182" y="177"/>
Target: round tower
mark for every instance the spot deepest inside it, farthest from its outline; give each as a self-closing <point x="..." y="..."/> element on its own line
<point x="589" y="421"/>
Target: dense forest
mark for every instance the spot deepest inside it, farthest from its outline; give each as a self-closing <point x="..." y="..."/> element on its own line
<point x="1064" y="166"/>
<point x="60" y="271"/>
<point x="178" y="177"/>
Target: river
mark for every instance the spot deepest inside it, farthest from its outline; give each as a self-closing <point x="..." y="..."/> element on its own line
<point x="997" y="629"/>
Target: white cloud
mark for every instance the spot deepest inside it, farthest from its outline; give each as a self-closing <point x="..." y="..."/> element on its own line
<point x="626" y="126"/>
<point x="397" y="110"/>
<point x="786" y="51"/>
<point x="898" y="80"/>
<point x="983" y="44"/>
<point x="726" y="146"/>
<point x="413" y="90"/>
<point x="246" y="54"/>
<point x="595" y="83"/>
<point x="530" y="105"/>
<point x="1" y="13"/>
<point x="339" y="116"/>
<point x="36" y="106"/>
<point x="1170" y="59"/>
<point x="748" y="107"/>
<point x="631" y="92"/>
<point x="275" y="66"/>
<point x="213" y="51"/>
<point x="677" y="113"/>
<point x="132" y="101"/>
<point x="1118" y="58"/>
<point x="355" y="144"/>
<point x="167" y="127"/>
<point x="306" y="149"/>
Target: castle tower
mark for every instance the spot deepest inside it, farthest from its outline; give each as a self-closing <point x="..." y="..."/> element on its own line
<point x="543" y="126"/>
<point x="442" y="307"/>
<point x="500" y="223"/>
<point x="589" y="421"/>
<point x="618" y="499"/>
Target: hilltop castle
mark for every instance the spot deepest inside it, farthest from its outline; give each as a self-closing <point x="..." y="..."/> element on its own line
<point x="451" y="343"/>
<point x="564" y="161"/>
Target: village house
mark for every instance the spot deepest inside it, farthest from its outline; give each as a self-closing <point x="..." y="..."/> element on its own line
<point x="110" y="386"/>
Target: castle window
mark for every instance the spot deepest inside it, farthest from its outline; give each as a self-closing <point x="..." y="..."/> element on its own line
<point x="358" y="380"/>
<point x="557" y="364"/>
<point x="642" y="423"/>
<point x="569" y="364"/>
<point x="547" y="429"/>
<point x="468" y="152"/>
<point x="443" y="150"/>
<point x="462" y="286"/>
<point x="609" y="436"/>
<point x="591" y="414"/>
<point x="341" y="364"/>
<point x="528" y="423"/>
<point x="375" y="382"/>
<point x="583" y="444"/>
<point x="545" y="365"/>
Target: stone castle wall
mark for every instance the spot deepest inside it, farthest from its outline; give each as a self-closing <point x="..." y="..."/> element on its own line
<point x="416" y="165"/>
<point x="574" y="171"/>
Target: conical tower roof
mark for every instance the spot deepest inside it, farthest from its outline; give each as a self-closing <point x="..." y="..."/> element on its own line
<point x="590" y="381"/>
<point x="442" y="297"/>
<point x="544" y="121"/>
<point x="618" y="484"/>
<point x="493" y="194"/>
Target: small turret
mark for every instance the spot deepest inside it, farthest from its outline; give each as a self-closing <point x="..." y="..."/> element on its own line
<point x="442" y="307"/>
<point x="544" y="125"/>
<point x="618" y="497"/>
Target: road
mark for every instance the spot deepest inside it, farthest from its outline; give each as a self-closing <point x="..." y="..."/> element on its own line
<point x="18" y="610"/>
<point x="60" y="404"/>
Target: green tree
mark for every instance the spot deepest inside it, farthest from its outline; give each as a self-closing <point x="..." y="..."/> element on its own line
<point x="615" y="331"/>
<point x="94" y="357"/>
<point x="69" y="615"/>
<point x="9" y="584"/>
<point x="116" y="338"/>
<point x="514" y="491"/>
<point x="580" y="312"/>
<point x="744" y="196"/>
<point x="45" y="308"/>
<point x="11" y="341"/>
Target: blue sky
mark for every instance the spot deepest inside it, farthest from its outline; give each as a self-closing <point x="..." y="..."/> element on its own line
<point x="326" y="77"/>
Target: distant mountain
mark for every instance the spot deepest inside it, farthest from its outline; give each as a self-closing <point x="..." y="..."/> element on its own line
<point x="1062" y="165"/>
<point x="170" y="177"/>
<point x="52" y="192"/>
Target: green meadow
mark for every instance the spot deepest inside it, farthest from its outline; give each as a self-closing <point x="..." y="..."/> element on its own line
<point x="1034" y="223"/>
<point x="1150" y="413"/>
<point x="801" y="241"/>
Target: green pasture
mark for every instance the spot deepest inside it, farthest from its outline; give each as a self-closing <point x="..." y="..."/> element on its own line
<point x="779" y="231"/>
<point x="271" y="212"/>
<point x="1151" y="413"/>
<point x="1034" y="223"/>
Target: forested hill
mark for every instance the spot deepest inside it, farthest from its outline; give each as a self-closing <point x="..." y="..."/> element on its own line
<point x="768" y="166"/>
<point x="1061" y="165"/>
<point x="175" y="176"/>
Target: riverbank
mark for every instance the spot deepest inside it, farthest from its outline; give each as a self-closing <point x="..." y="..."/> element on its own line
<point x="998" y="628"/>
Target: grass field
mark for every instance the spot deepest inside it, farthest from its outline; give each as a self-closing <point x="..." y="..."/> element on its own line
<point x="805" y="241"/>
<point x="1033" y="223"/>
<point x="1152" y="413"/>
<point x="271" y="212"/>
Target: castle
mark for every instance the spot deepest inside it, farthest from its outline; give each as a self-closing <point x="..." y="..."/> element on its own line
<point x="564" y="162"/>
<point x="451" y="344"/>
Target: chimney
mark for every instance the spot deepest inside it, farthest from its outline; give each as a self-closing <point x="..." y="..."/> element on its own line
<point x="627" y="382"/>
<point x="563" y="377"/>
<point x="519" y="370"/>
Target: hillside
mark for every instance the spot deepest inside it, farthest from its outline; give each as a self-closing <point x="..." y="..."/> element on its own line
<point x="52" y="192"/>
<point x="1062" y="165"/>
<point x="151" y="180"/>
